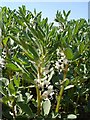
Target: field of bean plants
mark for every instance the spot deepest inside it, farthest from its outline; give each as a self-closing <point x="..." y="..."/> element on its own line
<point x="44" y="69"/>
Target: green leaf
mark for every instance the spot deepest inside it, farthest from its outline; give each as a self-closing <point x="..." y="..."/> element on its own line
<point x="5" y="40"/>
<point x="35" y="11"/>
<point x="51" y="75"/>
<point x="11" y="88"/>
<point x="81" y="47"/>
<point x="6" y="112"/>
<point x="64" y="13"/>
<point x="12" y="67"/>
<point x="66" y="82"/>
<point x="34" y="52"/>
<point x="4" y="80"/>
<point x="68" y="13"/>
<point x="7" y="99"/>
<point x="16" y="81"/>
<point x="72" y="116"/>
<point x="68" y="87"/>
<point x="27" y="74"/>
<point x="23" y="46"/>
<point x="3" y="91"/>
<point x="69" y="53"/>
<point x="46" y="106"/>
<point x="25" y="108"/>
<point x="76" y="28"/>
<point x="21" y="117"/>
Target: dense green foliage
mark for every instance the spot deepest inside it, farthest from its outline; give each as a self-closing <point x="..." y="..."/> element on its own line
<point x="45" y="68"/>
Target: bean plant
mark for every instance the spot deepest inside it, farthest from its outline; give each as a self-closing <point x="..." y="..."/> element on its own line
<point x="44" y="67"/>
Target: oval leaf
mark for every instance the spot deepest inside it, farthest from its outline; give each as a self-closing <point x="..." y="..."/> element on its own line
<point x="69" y="53"/>
<point x="71" y="116"/>
<point x="68" y="87"/>
<point x="46" y="106"/>
<point x="25" y="108"/>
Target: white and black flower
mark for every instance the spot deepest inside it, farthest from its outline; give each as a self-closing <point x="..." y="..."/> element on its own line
<point x="2" y="62"/>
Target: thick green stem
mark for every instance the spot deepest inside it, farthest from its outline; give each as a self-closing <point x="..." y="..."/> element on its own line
<point x="38" y="100"/>
<point x="38" y="92"/>
<point x="13" y="110"/>
<point x="59" y="99"/>
<point x="61" y="91"/>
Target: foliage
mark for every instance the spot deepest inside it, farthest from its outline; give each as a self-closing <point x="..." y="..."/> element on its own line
<point x="45" y="68"/>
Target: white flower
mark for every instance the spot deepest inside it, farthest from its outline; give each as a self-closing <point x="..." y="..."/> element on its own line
<point x="40" y="86"/>
<point x="2" y="62"/>
<point x="37" y="81"/>
<point x="45" y="95"/>
<point x="46" y="71"/>
<point x="65" y="61"/>
<point x="11" y="41"/>
<point x="57" y="65"/>
<point x="45" y="78"/>
<point x="51" y="94"/>
<point x="50" y="89"/>
<point x="46" y="82"/>
<point x="62" y="66"/>
<point x="56" y="83"/>
<point x="61" y="60"/>
<point x="62" y="54"/>
<point x="58" y="52"/>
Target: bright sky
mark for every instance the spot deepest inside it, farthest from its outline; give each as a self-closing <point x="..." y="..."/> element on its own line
<point x="78" y="9"/>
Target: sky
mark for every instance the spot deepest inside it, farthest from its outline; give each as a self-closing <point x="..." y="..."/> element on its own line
<point x="49" y="9"/>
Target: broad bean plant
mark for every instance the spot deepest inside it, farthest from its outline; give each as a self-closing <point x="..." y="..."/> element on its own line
<point x="44" y="67"/>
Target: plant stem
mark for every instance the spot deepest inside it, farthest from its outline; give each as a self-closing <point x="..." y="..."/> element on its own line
<point x="38" y="100"/>
<point x="13" y="110"/>
<point x="38" y="92"/>
<point x="59" y="99"/>
<point x="61" y="91"/>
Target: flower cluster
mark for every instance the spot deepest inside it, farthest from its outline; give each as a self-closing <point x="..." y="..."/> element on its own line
<point x="4" y="52"/>
<point x="61" y="62"/>
<point x="46" y="89"/>
<point x="2" y="62"/>
<point x="11" y="51"/>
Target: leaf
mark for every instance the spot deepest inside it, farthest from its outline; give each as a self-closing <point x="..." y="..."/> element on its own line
<point x="72" y="116"/>
<point x="3" y="91"/>
<point x="76" y="28"/>
<point x="6" y="112"/>
<point x="16" y="81"/>
<point x="34" y="52"/>
<point x="7" y="98"/>
<point x="25" y="108"/>
<point x="5" y="40"/>
<point x="4" y="80"/>
<point x="69" y="53"/>
<point x="27" y="74"/>
<point x="64" y="13"/>
<point x="34" y="11"/>
<point x="68" y="13"/>
<point x="12" y="67"/>
<point x="51" y="75"/>
<point x="21" y="117"/>
<point x="68" y="87"/>
<point x="23" y="46"/>
<point x="81" y="47"/>
<point x="11" y="88"/>
<point x="66" y="82"/>
<point x="24" y="9"/>
<point x="46" y="106"/>
<point x="20" y="98"/>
